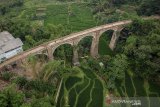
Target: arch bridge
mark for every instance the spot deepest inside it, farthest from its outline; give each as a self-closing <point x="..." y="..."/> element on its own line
<point x="73" y="39"/>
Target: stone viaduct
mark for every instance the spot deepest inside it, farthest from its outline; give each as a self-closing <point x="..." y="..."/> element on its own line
<point x="73" y="39"/>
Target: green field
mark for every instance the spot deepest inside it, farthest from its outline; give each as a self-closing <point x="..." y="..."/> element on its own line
<point x="75" y="17"/>
<point x="84" y="91"/>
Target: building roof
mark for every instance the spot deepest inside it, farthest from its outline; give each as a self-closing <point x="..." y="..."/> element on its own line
<point x="8" y="42"/>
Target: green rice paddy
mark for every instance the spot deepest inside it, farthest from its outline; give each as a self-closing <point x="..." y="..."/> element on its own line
<point x="85" y="91"/>
<point x="138" y="87"/>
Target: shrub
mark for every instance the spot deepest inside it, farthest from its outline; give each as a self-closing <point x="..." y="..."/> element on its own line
<point x="26" y="105"/>
<point x="40" y="86"/>
<point x="11" y="97"/>
<point x="29" y="94"/>
<point x="149" y="7"/>
<point x="7" y="75"/>
<point x="3" y="100"/>
<point x="21" y="81"/>
<point x="42" y="102"/>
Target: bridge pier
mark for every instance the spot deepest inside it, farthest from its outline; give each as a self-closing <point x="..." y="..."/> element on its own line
<point x="50" y="53"/>
<point x="114" y="39"/>
<point x="94" y="45"/>
<point x="75" y="59"/>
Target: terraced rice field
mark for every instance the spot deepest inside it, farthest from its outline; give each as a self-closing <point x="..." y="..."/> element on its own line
<point x="134" y="86"/>
<point x="85" y="91"/>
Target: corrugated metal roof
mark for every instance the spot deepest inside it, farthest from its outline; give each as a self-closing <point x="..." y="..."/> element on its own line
<point x="8" y="42"/>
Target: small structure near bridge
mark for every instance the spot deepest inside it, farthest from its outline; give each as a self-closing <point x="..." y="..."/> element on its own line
<point x="9" y="46"/>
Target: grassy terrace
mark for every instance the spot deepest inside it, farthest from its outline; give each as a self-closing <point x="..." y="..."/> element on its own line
<point x="85" y="91"/>
<point x="138" y="87"/>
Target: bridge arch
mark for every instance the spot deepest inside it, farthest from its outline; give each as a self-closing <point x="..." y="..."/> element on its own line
<point x="60" y="44"/>
<point x="42" y="56"/>
<point x="104" y="40"/>
<point x="64" y="52"/>
<point x="108" y="29"/>
<point x="84" y="45"/>
<point x="124" y="33"/>
<point x="86" y="35"/>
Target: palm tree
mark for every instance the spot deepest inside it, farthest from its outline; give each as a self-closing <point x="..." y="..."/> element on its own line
<point x="49" y="70"/>
<point x="32" y="67"/>
<point x="39" y="70"/>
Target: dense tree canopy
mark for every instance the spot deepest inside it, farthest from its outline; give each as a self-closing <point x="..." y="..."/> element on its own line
<point x="6" y="5"/>
<point x="142" y="47"/>
<point x="149" y="7"/>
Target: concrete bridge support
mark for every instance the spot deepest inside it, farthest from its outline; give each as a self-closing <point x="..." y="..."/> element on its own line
<point x="114" y="39"/>
<point x="50" y="53"/>
<point x="94" y="46"/>
<point x="75" y="59"/>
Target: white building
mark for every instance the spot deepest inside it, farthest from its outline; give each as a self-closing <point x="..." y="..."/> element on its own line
<point x="9" y="46"/>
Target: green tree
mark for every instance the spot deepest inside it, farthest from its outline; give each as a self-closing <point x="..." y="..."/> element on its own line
<point x="7" y="5"/>
<point x="29" y="42"/>
<point x="56" y="31"/>
<point x="116" y="69"/>
<point x="149" y="7"/>
<point x="10" y="97"/>
<point x="142" y="48"/>
<point x="118" y="66"/>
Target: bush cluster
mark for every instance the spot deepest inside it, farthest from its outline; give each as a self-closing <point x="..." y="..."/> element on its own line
<point x="7" y="75"/>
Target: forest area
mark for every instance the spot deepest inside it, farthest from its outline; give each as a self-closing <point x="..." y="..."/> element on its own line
<point x="131" y="70"/>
